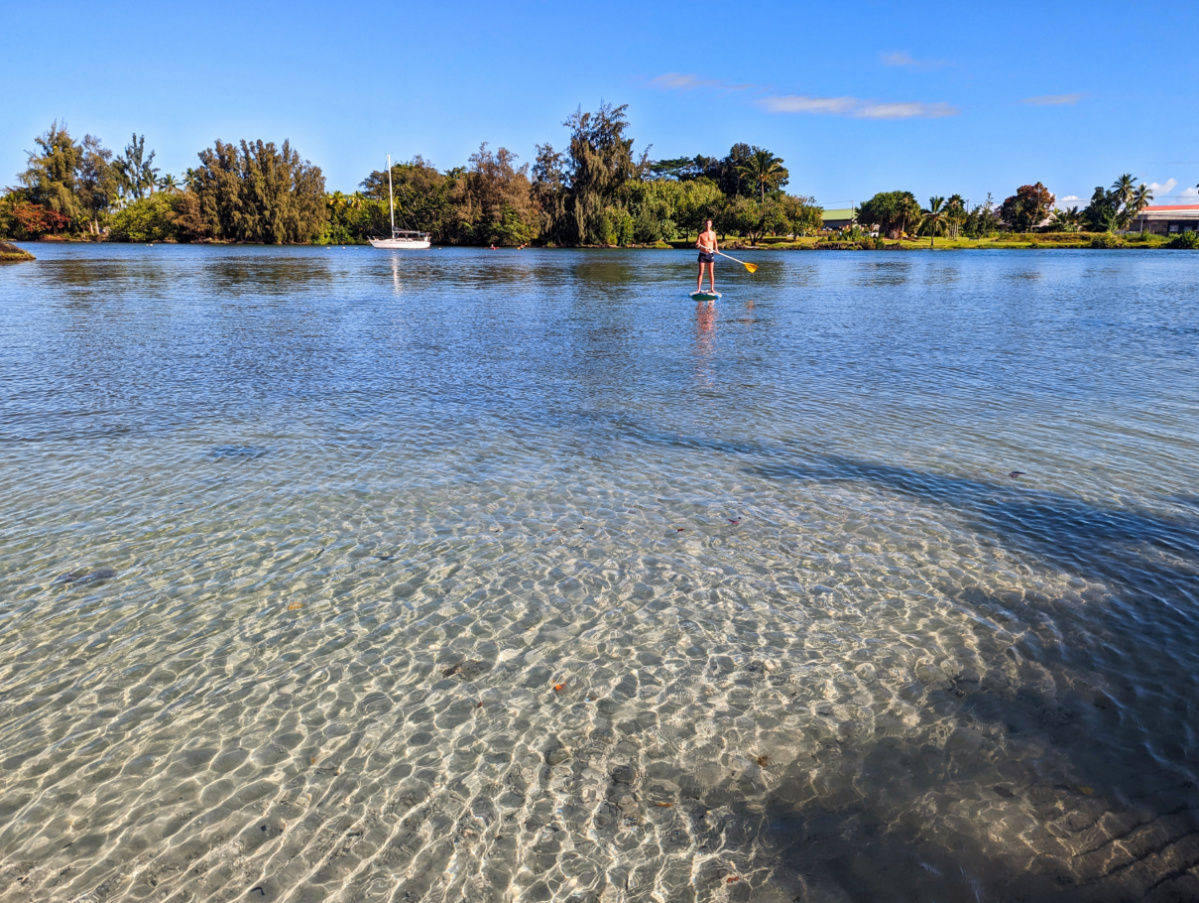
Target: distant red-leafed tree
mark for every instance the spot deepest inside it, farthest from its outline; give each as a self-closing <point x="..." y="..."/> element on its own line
<point x="34" y="220"/>
<point x="1027" y="208"/>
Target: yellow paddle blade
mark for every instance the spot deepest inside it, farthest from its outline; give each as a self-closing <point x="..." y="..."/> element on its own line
<point x="752" y="267"/>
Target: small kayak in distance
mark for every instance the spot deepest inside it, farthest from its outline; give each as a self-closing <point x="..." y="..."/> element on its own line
<point x="705" y="296"/>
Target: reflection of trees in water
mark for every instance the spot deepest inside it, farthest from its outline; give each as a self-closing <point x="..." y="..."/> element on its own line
<point x="266" y="275"/>
<point x="883" y="272"/>
<point x="103" y="279"/>
<point x="942" y="276"/>
<point x="610" y="269"/>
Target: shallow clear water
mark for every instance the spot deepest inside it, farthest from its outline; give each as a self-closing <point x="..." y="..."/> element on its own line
<point x="336" y="575"/>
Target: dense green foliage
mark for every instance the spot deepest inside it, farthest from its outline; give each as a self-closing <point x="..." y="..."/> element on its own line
<point x="1027" y="208"/>
<point x="1116" y="208"/>
<point x="157" y="217"/>
<point x="259" y="193"/>
<point x="245" y="192"/>
<point x="893" y="212"/>
<point x="1186" y="241"/>
<point x="596" y="191"/>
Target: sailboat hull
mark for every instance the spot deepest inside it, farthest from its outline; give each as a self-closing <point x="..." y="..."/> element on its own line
<point x="401" y="244"/>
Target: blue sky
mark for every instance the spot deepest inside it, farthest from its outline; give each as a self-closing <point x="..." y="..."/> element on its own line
<point x="856" y="97"/>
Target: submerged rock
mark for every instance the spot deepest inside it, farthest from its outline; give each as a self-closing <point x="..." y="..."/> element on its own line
<point x="467" y="670"/>
<point x="624" y="774"/>
<point x="78" y="578"/>
<point x="237" y="451"/>
<point x="556" y="754"/>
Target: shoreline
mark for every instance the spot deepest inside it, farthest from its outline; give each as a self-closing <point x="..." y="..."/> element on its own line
<point x="1089" y="243"/>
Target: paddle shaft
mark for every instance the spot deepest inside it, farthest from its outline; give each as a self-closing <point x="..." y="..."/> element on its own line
<point x="749" y="266"/>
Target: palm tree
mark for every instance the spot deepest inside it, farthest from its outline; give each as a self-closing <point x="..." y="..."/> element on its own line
<point x="764" y="169"/>
<point x="168" y="183"/>
<point x="909" y="215"/>
<point x="934" y="218"/>
<point x="1067" y="220"/>
<point x="955" y="209"/>
<point x="1123" y="188"/>
<point x="1140" y="200"/>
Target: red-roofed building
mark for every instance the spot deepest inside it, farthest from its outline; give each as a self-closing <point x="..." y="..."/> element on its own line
<point x="1168" y="219"/>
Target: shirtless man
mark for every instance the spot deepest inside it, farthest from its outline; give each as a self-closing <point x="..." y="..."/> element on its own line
<point x="707" y="257"/>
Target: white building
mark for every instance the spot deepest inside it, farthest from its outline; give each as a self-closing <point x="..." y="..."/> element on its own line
<point x="1168" y="219"/>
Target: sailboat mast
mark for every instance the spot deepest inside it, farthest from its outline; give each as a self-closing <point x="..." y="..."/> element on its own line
<point x="391" y="198"/>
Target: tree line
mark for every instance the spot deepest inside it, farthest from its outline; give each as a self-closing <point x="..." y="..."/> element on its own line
<point x="595" y="191"/>
<point x="1031" y="208"/>
<point x="251" y="191"/>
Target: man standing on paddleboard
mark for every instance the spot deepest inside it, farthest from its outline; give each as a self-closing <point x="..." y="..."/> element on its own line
<point x="707" y="256"/>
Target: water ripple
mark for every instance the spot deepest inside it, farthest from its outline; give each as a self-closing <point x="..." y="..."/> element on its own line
<point x="337" y="575"/>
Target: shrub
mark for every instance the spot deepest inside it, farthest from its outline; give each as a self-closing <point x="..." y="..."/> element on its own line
<point x="336" y="234"/>
<point x="617" y="226"/>
<point x="149" y="219"/>
<point x="1187" y="241"/>
<point x="1044" y="237"/>
<point x="1105" y="240"/>
<point x="22" y="220"/>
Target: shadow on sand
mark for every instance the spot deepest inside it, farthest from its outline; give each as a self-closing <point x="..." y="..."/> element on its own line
<point x="1100" y="804"/>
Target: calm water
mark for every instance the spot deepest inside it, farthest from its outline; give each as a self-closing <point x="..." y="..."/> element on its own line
<point x="334" y="575"/>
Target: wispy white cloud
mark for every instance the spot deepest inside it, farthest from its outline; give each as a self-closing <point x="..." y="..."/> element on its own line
<point x="1191" y="191"/>
<point x="855" y="107"/>
<point x="1160" y="188"/>
<point x="905" y="59"/>
<point x="1053" y="100"/>
<point x="1070" y="200"/>
<point x="906" y="111"/>
<point x="679" y="81"/>
<point x="798" y="103"/>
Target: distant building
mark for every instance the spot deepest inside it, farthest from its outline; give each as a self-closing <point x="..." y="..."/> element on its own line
<point x="1167" y="220"/>
<point x="839" y="219"/>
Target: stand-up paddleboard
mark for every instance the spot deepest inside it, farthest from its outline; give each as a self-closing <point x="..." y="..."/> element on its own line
<point x="705" y="296"/>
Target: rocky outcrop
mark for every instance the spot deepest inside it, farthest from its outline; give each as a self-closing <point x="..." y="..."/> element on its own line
<point x="11" y="253"/>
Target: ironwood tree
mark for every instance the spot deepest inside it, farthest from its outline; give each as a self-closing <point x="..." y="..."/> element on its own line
<point x="257" y="192"/>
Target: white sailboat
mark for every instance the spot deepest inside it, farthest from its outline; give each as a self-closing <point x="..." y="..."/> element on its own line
<point x="401" y="239"/>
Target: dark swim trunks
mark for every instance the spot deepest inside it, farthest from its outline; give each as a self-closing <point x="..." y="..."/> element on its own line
<point x="707" y="256"/>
